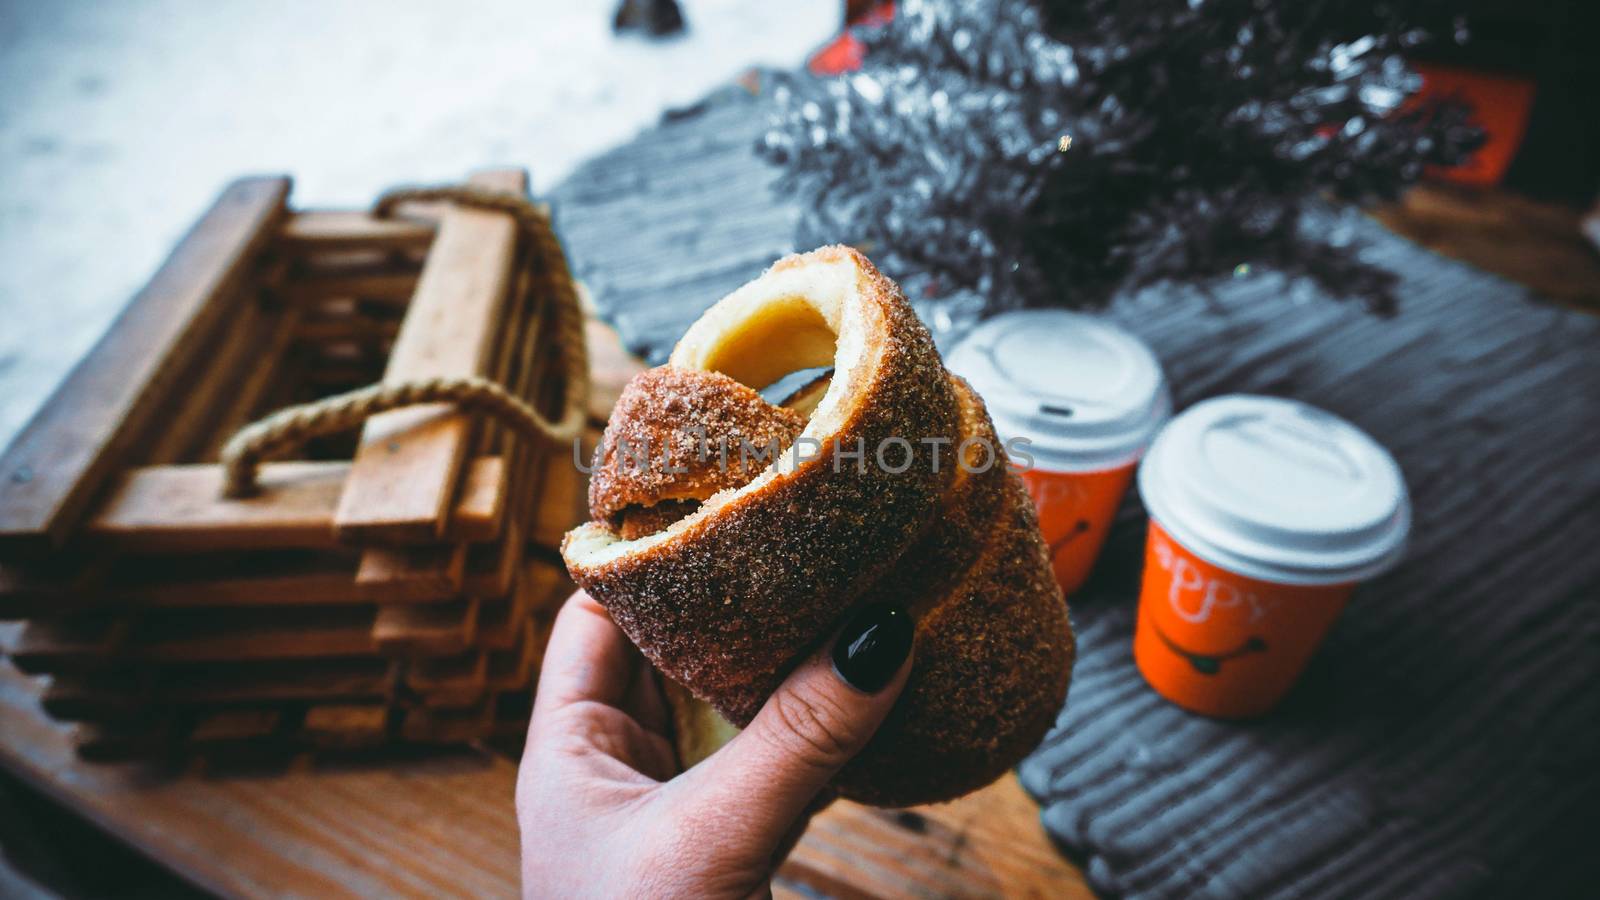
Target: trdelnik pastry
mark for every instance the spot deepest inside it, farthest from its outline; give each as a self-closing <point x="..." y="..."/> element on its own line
<point x="728" y="568"/>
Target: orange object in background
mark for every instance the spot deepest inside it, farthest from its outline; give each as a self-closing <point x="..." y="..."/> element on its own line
<point x="845" y="52"/>
<point x="1218" y="643"/>
<point x="1075" y="513"/>
<point x="1500" y="105"/>
<point x="1265" y="513"/>
<point x="1076" y="400"/>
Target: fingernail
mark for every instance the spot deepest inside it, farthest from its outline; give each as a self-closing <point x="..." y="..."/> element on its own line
<point x="871" y="648"/>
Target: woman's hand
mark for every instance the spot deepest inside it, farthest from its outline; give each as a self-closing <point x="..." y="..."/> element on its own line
<point x="603" y="808"/>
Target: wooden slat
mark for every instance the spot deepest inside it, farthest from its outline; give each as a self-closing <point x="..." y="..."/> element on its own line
<point x="264" y="578"/>
<point x="434" y="571"/>
<point x="345" y="725"/>
<point x="500" y="619"/>
<point x="408" y="465"/>
<point x="345" y="328"/>
<point x="412" y="574"/>
<point x="480" y="510"/>
<point x="207" y="384"/>
<point x="181" y="508"/>
<point x="239" y="725"/>
<point x="433" y="629"/>
<point x="513" y="668"/>
<point x="492" y="567"/>
<point x="392" y="287"/>
<point x="517" y="669"/>
<point x="174" y="508"/>
<point x="322" y="230"/>
<point x="98" y="743"/>
<point x="97" y="696"/>
<point x="98" y="642"/>
<point x="514" y="365"/>
<point x="253" y="634"/>
<point x="119" y="694"/>
<point x="354" y="261"/>
<point x="268" y="578"/>
<point x="65" y="453"/>
<point x="319" y="680"/>
<point x="562" y="501"/>
<point x="48" y="644"/>
<point x="248" y="395"/>
<point x="450" y="682"/>
<point x="611" y="367"/>
<point x="449" y="726"/>
<point x="49" y="584"/>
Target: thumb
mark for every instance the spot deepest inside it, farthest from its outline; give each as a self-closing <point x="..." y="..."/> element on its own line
<point x="818" y="719"/>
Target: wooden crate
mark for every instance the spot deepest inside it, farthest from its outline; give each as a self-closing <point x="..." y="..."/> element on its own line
<point x="391" y="584"/>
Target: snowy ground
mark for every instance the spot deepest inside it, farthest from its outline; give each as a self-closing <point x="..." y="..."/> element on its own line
<point x="119" y="121"/>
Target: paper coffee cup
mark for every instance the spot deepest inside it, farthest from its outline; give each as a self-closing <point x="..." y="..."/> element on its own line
<point x="1264" y="515"/>
<point x="1084" y="397"/>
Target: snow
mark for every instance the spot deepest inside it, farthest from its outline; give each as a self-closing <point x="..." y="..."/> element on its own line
<point x="119" y="122"/>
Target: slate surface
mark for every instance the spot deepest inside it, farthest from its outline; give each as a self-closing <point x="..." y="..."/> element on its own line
<point x="1444" y="741"/>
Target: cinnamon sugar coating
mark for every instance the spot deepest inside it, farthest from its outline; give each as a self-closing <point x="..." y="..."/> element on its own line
<point x="994" y="655"/>
<point x="679" y="434"/>
<point x="729" y="599"/>
<point x="740" y="591"/>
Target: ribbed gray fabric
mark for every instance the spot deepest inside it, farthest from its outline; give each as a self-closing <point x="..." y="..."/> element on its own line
<point x="1445" y="740"/>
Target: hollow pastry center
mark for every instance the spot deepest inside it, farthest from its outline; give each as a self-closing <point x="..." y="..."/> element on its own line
<point x="784" y="334"/>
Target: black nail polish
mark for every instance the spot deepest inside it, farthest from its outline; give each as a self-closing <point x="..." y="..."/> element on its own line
<point x="871" y="648"/>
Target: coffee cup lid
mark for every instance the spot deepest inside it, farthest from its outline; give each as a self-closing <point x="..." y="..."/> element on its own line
<point x="1277" y="490"/>
<point x="1087" y="394"/>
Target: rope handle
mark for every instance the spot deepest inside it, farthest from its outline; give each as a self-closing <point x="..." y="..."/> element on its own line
<point x="289" y="428"/>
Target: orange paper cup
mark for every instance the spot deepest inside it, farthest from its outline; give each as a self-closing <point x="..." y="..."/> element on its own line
<point x="1075" y="512"/>
<point x="1264" y="516"/>
<point x="1219" y="643"/>
<point x="1076" y="400"/>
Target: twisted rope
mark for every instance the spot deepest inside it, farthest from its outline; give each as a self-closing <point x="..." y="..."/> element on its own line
<point x="288" y="429"/>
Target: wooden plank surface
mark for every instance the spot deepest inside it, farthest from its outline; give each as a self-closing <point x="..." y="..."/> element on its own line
<point x="248" y="578"/>
<point x="432" y="629"/>
<point x="481" y="509"/>
<point x="441" y="824"/>
<point x="1536" y="244"/>
<point x="322" y="230"/>
<point x="63" y="455"/>
<point x="187" y="419"/>
<point x="987" y="844"/>
<point x="247" y="396"/>
<point x="175" y="508"/>
<point x="412" y="574"/>
<point x="406" y="469"/>
<point x="393" y="287"/>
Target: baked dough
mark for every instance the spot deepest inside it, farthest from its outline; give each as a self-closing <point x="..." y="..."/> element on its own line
<point x="726" y="578"/>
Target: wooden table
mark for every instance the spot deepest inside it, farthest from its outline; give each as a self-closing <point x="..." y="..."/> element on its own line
<point x="441" y="824"/>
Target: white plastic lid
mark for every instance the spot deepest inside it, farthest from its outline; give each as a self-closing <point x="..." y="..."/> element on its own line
<point x="1277" y="490"/>
<point x="1087" y="394"/>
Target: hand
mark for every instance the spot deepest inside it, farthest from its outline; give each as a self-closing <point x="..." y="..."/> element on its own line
<point x="603" y="807"/>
